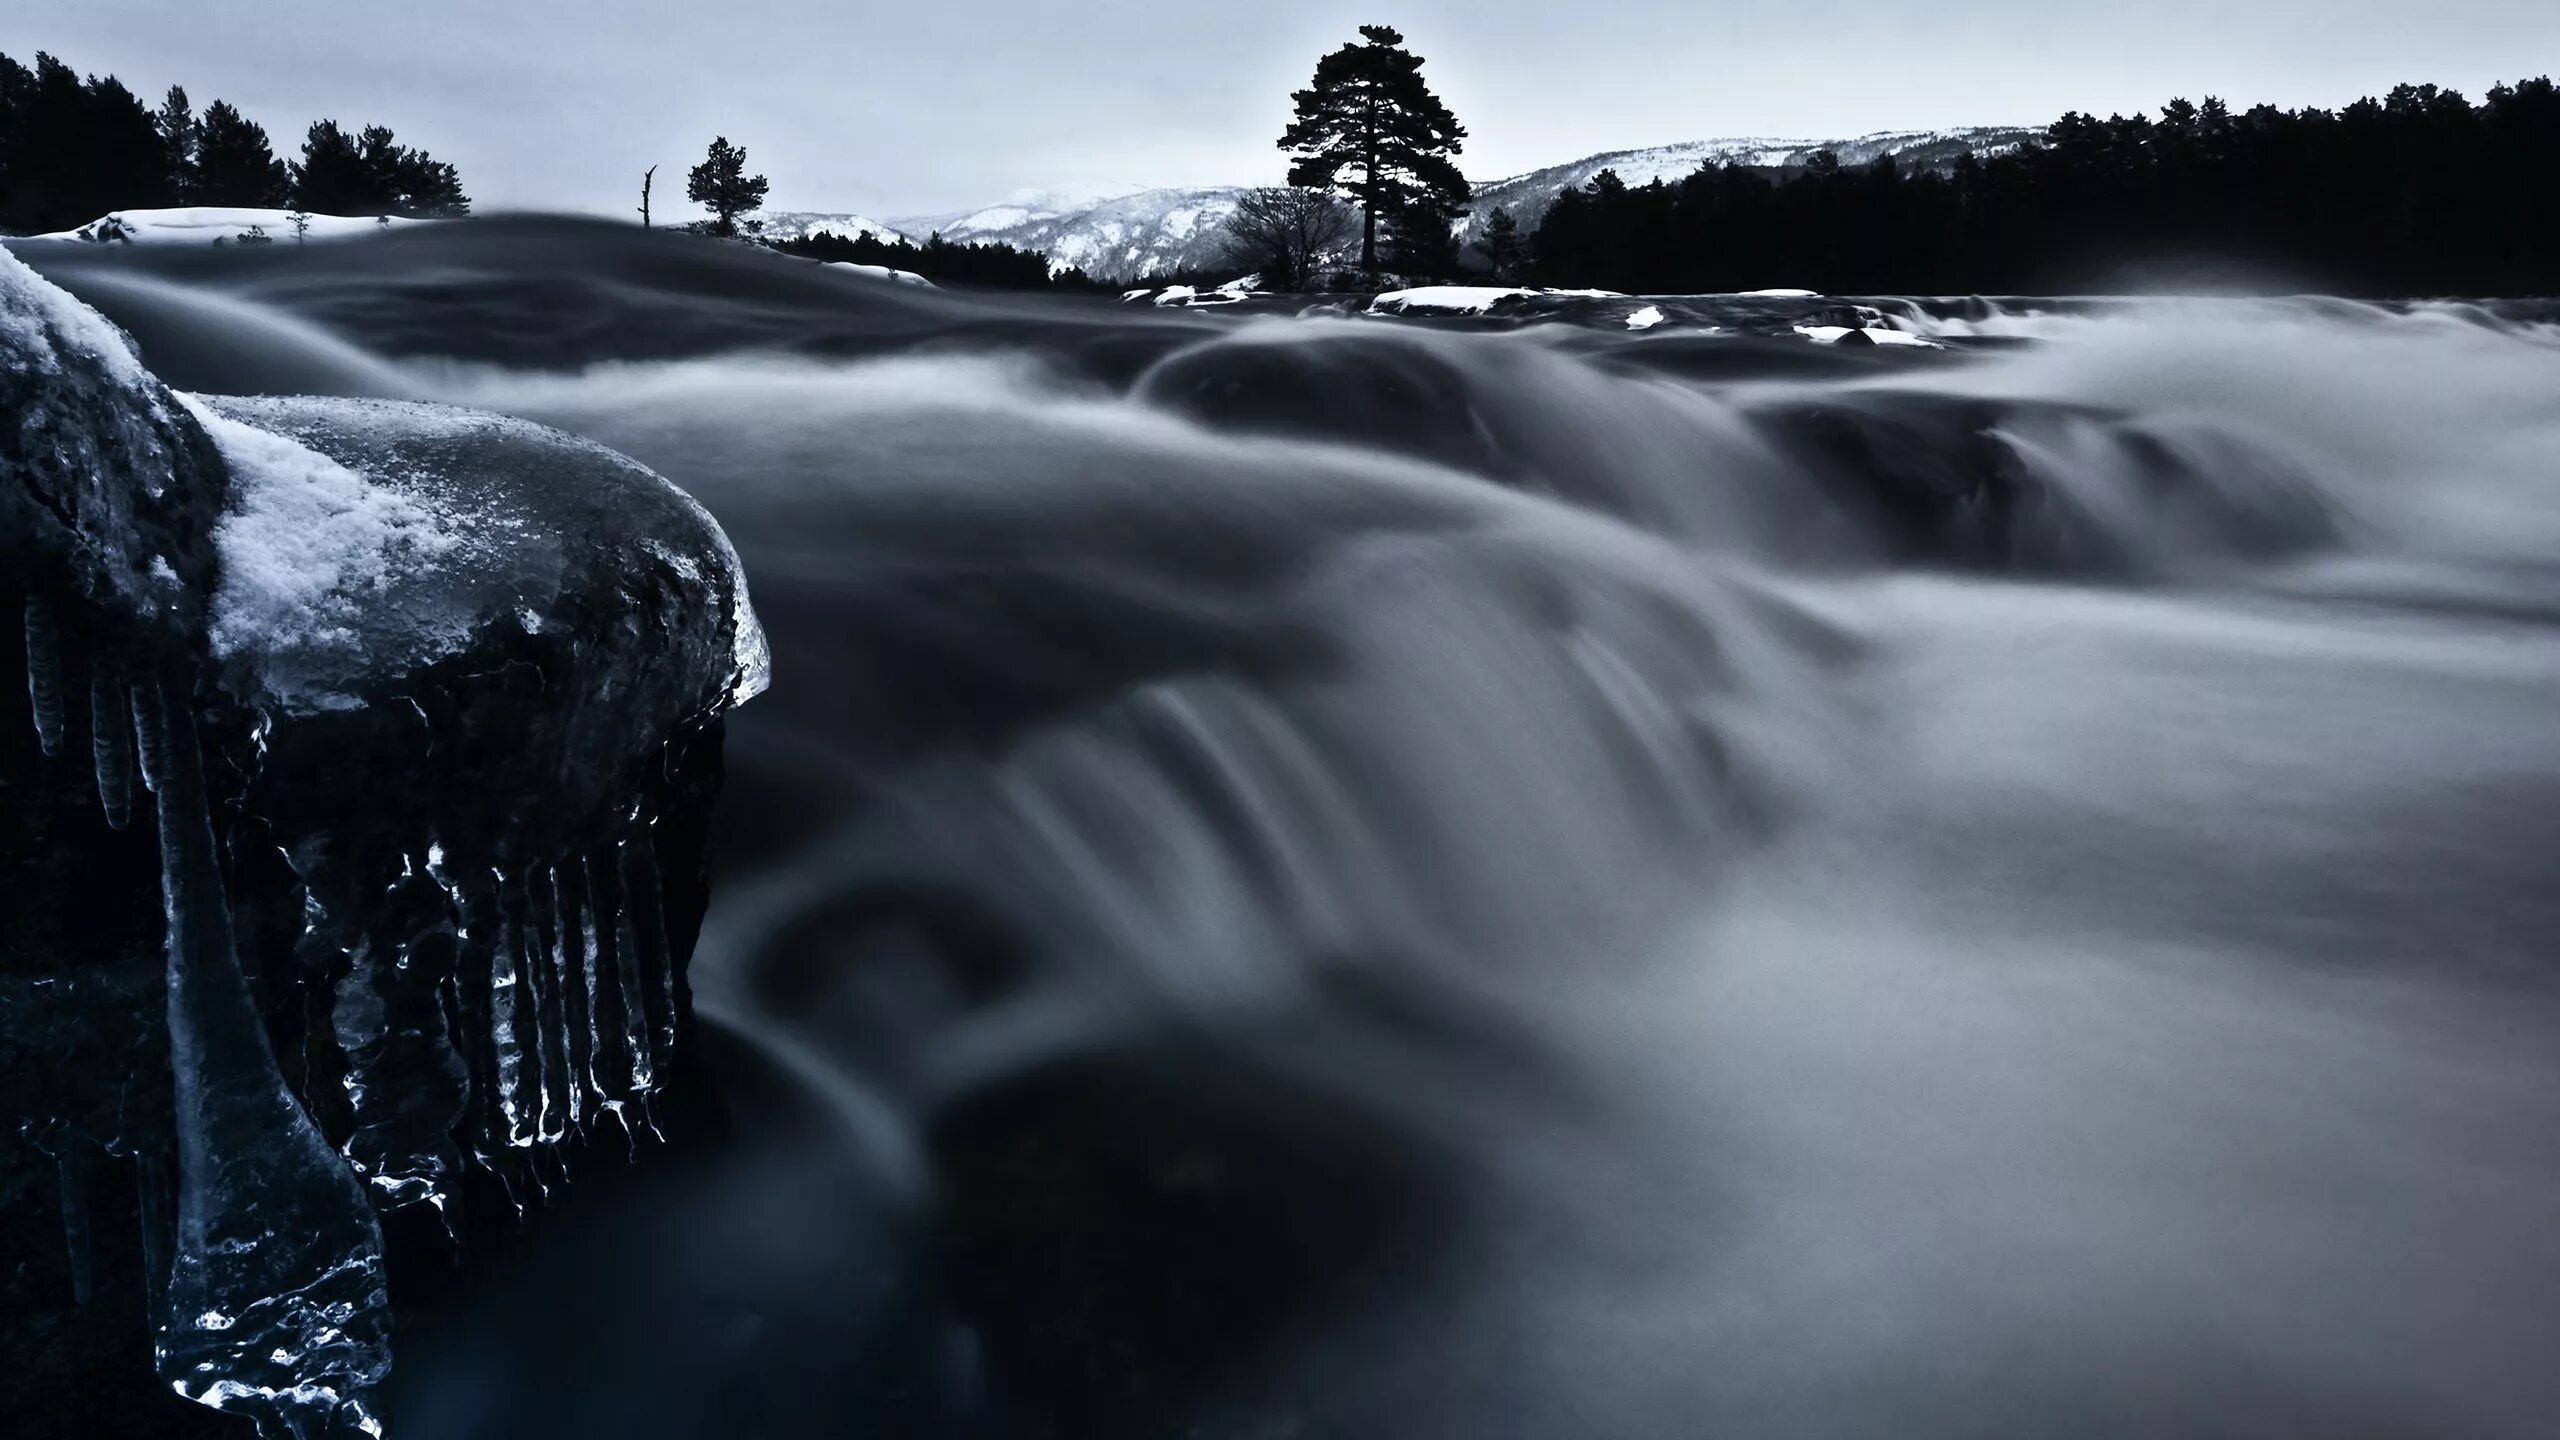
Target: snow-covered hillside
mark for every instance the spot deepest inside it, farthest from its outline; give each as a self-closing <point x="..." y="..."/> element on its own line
<point x="205" y="224"/>
<point x="1528" y="195"/>
<point x="799" y="224"/>
<point x="1121" y="237"/>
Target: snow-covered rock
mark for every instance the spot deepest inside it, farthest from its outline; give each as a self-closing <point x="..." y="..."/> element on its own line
<point x="206" y="224"/>
<point x="369" y="539"/>
<point x="107" y="487"/>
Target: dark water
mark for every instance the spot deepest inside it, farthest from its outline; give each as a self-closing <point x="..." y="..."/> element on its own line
<point x="1322" y="875"/>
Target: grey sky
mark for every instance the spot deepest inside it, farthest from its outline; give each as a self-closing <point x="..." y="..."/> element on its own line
<point x="941" y="104"/>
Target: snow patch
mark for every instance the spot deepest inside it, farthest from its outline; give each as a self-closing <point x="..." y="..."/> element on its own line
<point x="305" y="542"/>
<point x="1646" y="318"/>
<point x="1445" y="299"/>
<point x="1781" y="294"/>
<point x="883" y="272"/>
<point x="1469" y="299"/>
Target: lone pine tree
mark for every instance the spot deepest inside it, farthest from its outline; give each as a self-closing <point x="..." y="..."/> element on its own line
<point x="721" y="185"/>
<point x="1370" y="128"/>
<point x="1502" y="244"/>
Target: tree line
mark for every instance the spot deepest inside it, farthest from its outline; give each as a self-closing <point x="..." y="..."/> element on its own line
<point x="990" y="263"/>
<point x="74" y="149"/>
<point x="2419" y="192"/>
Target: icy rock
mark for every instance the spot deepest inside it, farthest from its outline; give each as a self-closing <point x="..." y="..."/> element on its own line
<point x="410" y="719"/>
<point x="108" y="490"/>
<point x="516" y="644"/>
<point x="374" y="539"/>
<point x="261" y="1261"/>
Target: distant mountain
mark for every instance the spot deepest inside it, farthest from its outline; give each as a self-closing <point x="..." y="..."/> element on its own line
<point x="1111" y="237"/>
<point x="1155" y="232"/>
<point x="1528" y="196"/>
<point x="801" y="224"/>
<point x="1152" y="232"/>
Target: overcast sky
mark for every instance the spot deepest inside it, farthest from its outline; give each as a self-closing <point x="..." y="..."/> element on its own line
<point x="937" y="105"/>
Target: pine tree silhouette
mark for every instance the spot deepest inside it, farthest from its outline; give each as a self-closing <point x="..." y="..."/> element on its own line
<point x="372" y="173"/>
<point x="1370" y="128"/>
<point x="1502" y="246"/>
<point x="332" y="177"/>
<point x="176" y="121"/>
<point x="721" y="185"/>
<point x="234" y="166"/>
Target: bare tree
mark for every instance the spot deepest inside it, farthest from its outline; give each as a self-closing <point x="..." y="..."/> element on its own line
<point x="1288" y="233"/>
<point x="647" y="179"/>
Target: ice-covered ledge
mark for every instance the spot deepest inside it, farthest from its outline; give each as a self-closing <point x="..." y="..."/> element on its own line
<point x="412" y="714"/>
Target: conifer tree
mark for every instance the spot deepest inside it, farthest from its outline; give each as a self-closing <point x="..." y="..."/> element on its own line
<point x="234" y="166"/>
<point x="721" y="185"/>
<point x="332" y="177"/>
<point x="177" y="123"/>
<point x="128" y="160"/>
<point x="1502" y="246"/>
<point x="1370" y="128"/>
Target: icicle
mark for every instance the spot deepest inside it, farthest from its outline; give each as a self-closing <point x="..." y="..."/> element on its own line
<point x="151" y="1187"/>
<point x="404" y="1082"/>
<point x="577" y="986"/>
<point x="75" y="1227"/>
<point x="622" y="1046"/>
<point x="650" y="955"/>
<point x="44" y="671"/>
<point x="111" y="744"/>
<point x="540" y="960"/>
<point x="275" y="1304"/>
<point x="151" y="734"/>
<point x="506" y="997"/>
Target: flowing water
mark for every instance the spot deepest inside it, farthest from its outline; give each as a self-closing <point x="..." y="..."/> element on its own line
<point x="1312" y="874"/>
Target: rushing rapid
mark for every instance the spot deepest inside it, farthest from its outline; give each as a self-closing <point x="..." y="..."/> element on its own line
<point x="1312" y="873"/>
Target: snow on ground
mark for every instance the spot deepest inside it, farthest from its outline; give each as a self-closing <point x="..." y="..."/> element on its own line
<point x="1834" y="334"/>
<point x="1445" y="299"/>
<point x="205" y="224"/>
<point x="883" y="272"/>
<point x="305" y="541"/>
<point x="1781" y="294"/>
<point x="1646" y="318"/>
<point x="1469" y="299"/>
